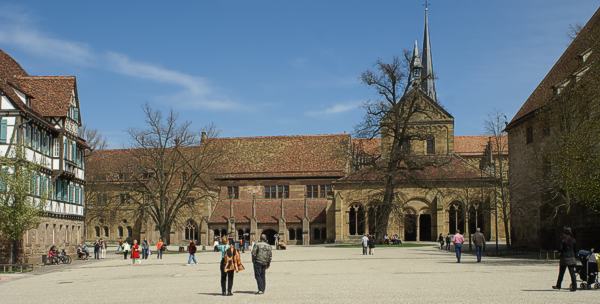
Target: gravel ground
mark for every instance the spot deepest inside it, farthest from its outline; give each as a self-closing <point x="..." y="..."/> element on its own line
<point x="302" y="275"/>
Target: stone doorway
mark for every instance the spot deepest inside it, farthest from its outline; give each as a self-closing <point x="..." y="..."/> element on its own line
<point x="270" y="233"/>
<point x="410" y="227"/>
<point x="425" y="227"/>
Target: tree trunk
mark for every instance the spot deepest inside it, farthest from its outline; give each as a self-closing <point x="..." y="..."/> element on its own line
<point x="165" y="233"/>
<point x="14" y="251"/>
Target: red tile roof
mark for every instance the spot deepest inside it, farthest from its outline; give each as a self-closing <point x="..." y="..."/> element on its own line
<point x="475" y="145"/>
<point x="268" y="211"/>
<point x="568" y="63"/>
<point x="283" y="156"/>
<point x="51" y="94"/>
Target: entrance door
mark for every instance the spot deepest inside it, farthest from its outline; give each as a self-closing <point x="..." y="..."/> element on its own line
<point x="270" y="233"/>
<point x="425" y="227"/>
<point x="410" y="227"/>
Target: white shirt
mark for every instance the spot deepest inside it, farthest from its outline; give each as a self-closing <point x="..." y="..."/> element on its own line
<point x="365" y="241"/>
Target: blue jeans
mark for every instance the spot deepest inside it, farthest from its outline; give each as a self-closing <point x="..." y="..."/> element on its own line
<point x="478" y="251"/>
<point x="458" y="250"/>
<point x="192" y="258"/>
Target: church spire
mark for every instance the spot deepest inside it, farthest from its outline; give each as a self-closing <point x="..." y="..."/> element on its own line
<point x="415" y="68"/>
<point x="428" y="77"/>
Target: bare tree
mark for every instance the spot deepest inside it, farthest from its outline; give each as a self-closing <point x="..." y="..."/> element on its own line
<point x="170" y="167"/>
<point x="94" y="139"/>
<point x="496" y="163"/>
<point x="392" y="116"/>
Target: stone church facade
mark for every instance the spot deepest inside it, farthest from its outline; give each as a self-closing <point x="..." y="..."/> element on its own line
<point x="308" y="189"/>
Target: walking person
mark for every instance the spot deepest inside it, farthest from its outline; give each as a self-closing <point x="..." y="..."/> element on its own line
<point x="567" y="258"/>
<point x="261" y="260"/>
<point x="126" y="249"/>
<point x="145" y="248"/>
<point x="192" y="253"/>
<point x="365" y="243"/>
<point x="458" y="241"/>
<point x="441" y="241"/>
<point x="135" y="253"/>
<point x="479" y="241"/>
<point x="448" y="241"/>
<point x="227" y="265"/>
<point x="96" y="250"/>
<point x="159" y="249"/>
<point x="371" y="244"/>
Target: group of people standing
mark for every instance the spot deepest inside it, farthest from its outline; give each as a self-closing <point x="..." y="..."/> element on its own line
<point x="138" y="252"/>
<point x="231" y="263"/>
<point x="478" y="239"/>
<point x="100" y="249"/>
<point x="368" y="244"/>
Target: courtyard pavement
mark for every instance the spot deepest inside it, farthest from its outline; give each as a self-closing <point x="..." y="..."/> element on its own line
<point x="301" y="275"/>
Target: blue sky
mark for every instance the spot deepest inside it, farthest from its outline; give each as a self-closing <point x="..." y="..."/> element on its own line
<point x="282" y="67"/>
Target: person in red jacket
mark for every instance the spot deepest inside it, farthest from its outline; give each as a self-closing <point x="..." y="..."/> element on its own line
<point x="192" y="252"/>
<point x="135" y="252"/>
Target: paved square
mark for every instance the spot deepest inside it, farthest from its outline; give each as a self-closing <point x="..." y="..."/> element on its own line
<point x="303" y="275"/>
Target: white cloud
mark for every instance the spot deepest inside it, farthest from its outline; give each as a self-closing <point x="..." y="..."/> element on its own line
<point x="337" y="108"/>
<point x="18" y="32"/>
<point x="194" y="92"/>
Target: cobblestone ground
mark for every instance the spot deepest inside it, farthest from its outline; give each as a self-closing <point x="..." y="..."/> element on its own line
<point x="302" y="275"/>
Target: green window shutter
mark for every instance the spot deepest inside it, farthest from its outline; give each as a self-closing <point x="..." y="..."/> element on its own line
<point x="3" y="131"/>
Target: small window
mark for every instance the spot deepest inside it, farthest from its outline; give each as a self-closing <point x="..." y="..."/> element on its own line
<point x="277" y="191"/>
<point x="529" y="135"/>
<point x="233" y="192"/>
<point x="431" y="145"/>
<point x="312" y="191"/>
<point x="325" y="191"/>
<point x="97" y="230"/>
<point x="405" y="146"/>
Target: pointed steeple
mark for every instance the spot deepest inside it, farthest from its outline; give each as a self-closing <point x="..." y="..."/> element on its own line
<point x="428" y="76"/>
<point x="415" y="68"/>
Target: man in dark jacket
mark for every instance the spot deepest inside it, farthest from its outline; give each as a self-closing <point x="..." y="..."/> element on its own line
<point x="261" y="260"/>
<point x="567" y="258"/>
<point x="479" y="241"/>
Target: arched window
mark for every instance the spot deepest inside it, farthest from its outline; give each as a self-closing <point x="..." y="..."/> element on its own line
<point x="317" y="234"/>
<point x="97" y="229"/>
<point x="191" y="230"/>
<point x="120" y="232"/>
<point x="431" y="145"/>
<point x="129" y="231"/>
<point x="105" y="231"/>
<point x="456" y="216"/>
<point x="356" y="219"/>
<point x="292" y="233"/>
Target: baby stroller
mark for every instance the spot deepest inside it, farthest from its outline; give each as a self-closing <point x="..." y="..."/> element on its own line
<point x="588" y="270"/>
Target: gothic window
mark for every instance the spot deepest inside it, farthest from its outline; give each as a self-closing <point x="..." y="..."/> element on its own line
<point x="456" y="216"/>
<point x="129" y="231"/>
<point x="191" y="230"/>
<point x="233" y="192"/>
<point x="431" y="145"/>
<point x="356" y="219"/>
<point x="317" y="234"/>
<point x="120" y="232"/>
<point x="105" y="231"/>
<point x="97" y="230"/>
<point x="292" y="234"/>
